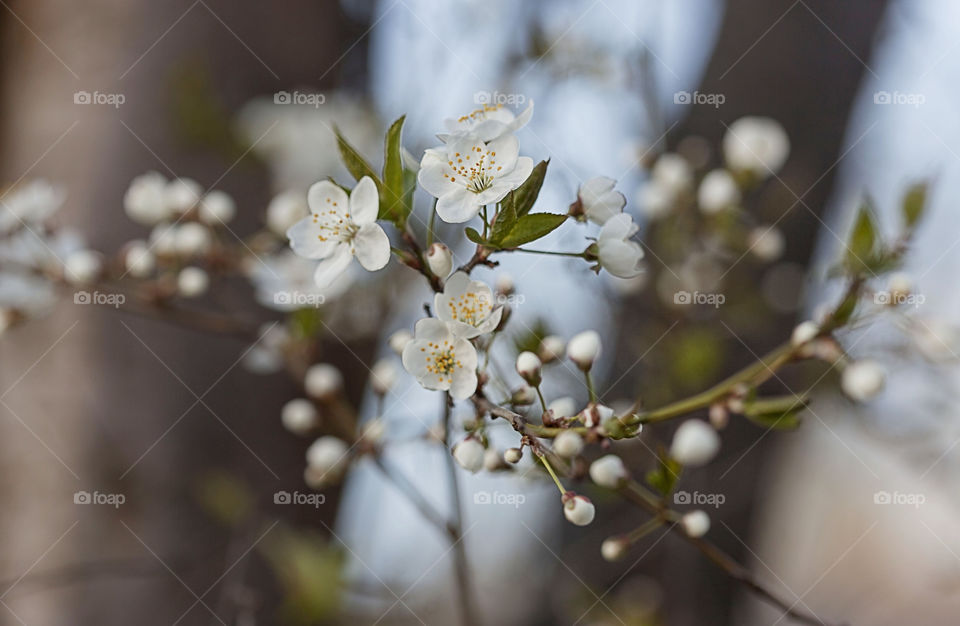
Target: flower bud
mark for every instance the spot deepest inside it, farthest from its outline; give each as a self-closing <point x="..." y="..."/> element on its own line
<point x="595" y="415"/>
<point x="578" y="509"/>
<point x="552" y="348"/>
<point x="217" y="207"/>
<point x="694" y="443"/>
<point x="399" y="340"/>
<point x="145" y="201"/>
<point x="373" y="430"/>
<point x="584" y="348"/>
<point x="900" y="285"/>
<point x="469" y="454"/>
<point x="326" y="461"/>
<point x="512" y="455"/>
<point x="440" y="260"/>
<point x="862" y="380"/>
<point x="192" y="282"/>
<point x="608" y="471"/>
<point x="82" y="267"/>
<point x="563" y="407"/>
<point x="299" y="416"/>
<point x="718" y="191"/>
<point x="523" y="395"/>
<point x="613" y="548"/>
<point x="285" y="210"/>
<point x="766" y="243"/>
<point x="672" y="172"/>
<point x="383" y="376"/>
<point x="504" y="285"/>
<point x="493" y="460"/>
<point x="163" y="239"/>
<point x="323" y="381"/>
<point x="695" y="523"/>
<point x="138" y="259"/>
<point x="804" y="333"/>
<point x="568" y="444"/>
<point x="719" y="416"/>
<point x="192" y="239"/>
<point x="528" y="366"/>
<point x="182" y="194"/>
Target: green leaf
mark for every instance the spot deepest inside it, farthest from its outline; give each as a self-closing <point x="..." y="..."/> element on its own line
<point x="665" y="476"/>
<point x="781" y="413"/>
<point x="393" y="205"/>
<point x="530" y="228"/>
<point x="914" y="203"/>
<point x="505" y="220"/>
<point x="864" y="241"/>
<point x="522" y="198"/>
<point x="474" y="236"/>
<point x="355" y="164"/>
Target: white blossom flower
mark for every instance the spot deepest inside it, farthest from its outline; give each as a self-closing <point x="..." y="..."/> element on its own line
<point x="563" y="407"/>
<point x="191" y="239"/>
<point x="440" y="260"/>
<point x="399" y="340"/>
<point x="757" y="145"/>
<point x="469" y="455"/>
<point x="488" y="122"/>
<point x="862" y="380"/>
<point x="608" y="471"/>
<point x="467" y="306"/>
<point x="192" y="282"/>
<point x="672" y="173"/>
<point x="438" y="359"/>
<point x="322" y="381"/>
<point x="718" y="191"/>
<point x="299" y="416"/>
<point x="326" y="461"/>
<point x="467" y="174"/>
<point x="138" y="259"/>
<point x="615" y="251"/>
<point x="181" y="195"/>
<point x="568" y="444"/>
<point x="383" y="376"/>
<point x="552" y="348"/>
<point x="82" y="267"/>
<point x="163" y="239"/>
<point x="578" y="509"/>
<point x="145" y="200"/>
<point x="29" y="205"/>
<point x="286" y="209"/>
<point x="339" y="228"/>
<point x="217" y="207"/>
<point x="528" y="366"/>
<point x="584" y="348"/>
<point x="695" y="523"/>
<point x="694" y="443"/>
<point x="599" y="200"/>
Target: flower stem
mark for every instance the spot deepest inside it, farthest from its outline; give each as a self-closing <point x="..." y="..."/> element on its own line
<point x="543" y="403"/>
<point x="553" y="475"/>
<point x="550" y="252"/>
<point x="590" y="388"/>
<point x="430" y="223"/>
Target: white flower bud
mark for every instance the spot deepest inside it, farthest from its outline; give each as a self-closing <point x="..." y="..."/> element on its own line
<point x="552" y="348"/>
<point x="192" y="239"/>
<point x="862" y="380"/>
<point x="217" y="207"/>
<point x="900" y="284"/>
<point x="285" y="210"/>
<point x="383" y="376"/>
<point x="145" y="200"/>
<point x="766" y="243"/>
<point x="299" y="416"/>
<point x="804" y="333"/>
<point x="469" y="455"/>
<point x="440" y="260"/>
<point x="528" y="366"/>
<point x="672" y="172"/>
<point x="694" y="443"/>
<point x="613" y="548"/>
<point x="326" y="460"/>
<point x="584" y="348"/>
<point x="596" y="414"/>
<point x="512" y="455"/>
<point x="504" y="284"/>
<point x="719" y="416"/>
<point x="578" y="509"/>
<point x="493" y="460"/>
<point x="563" y="407"/>
<point x="163" y="239"/>
<point x="192" y="282"/>
<point x="654" y="200"/>
<point x="608" y="471"/>
<point x="695" y="523"/>
<point x="399" y="340"/>
<point x="758" y="145"/>
<point x="322" y="381"/>
<point x="568" y="444"/>
<point x="82" y="267"/>
<point x="182" y="194"/>
<point x="374" y="430"/>
<point x="138" y="260"/>
<point x="718" y="191"/>
<point x="523" y="395"/>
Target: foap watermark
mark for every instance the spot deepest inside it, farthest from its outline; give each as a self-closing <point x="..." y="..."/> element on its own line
<point x="299" y="97"/>
<point x="513" y="299"/>
<point x="915" y="100"/>
<point x="895" y="497"/>
<point x="684" y="298"/>
<point x="109" y="499"/>
<point x="696" y="498"/>
<point x="497" y="98"/>
<point x="893" y="298"/>
<point x="506" y="499"/>
<point x="115" y="300"/>
<point x="111" y="99"/>
<point x="310" y="499"/>
<point x="715" y="100"/>
<point x="299" y="299"/>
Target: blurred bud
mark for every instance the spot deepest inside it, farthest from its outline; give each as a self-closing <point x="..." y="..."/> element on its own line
<point x="595" y="415"/>
<point x="383" y="376"/>
<point x="217" y="207"/>
<point x="577" y="509"/>
<point x="523" y="395"/>
<point x="756" y="145"/>
<point x="182" y="194"/>
<point x="552" y="348"/>
<point x="504" y="285"/>
<point x="82" y="267"/>
<point x="327" y="459"/>
<point x="825" y="349"/>
<point x="695" y="523"/>
<point x="374" y="430"/>
<point x="718" y="191"/>
<point x="512" y="455"/>
<point x="192" y="282"/>
<point x="440" y="260"/>
<point x="192" y="239"/>
<point x="568" y="444"/>
<point x="299" y="416"/>
<point x="493" y="460"/>
<point x="613" y="548"/>
<point x="719" y="416"/>
<point x="285" y="210"/>
<point x="608" y="471"/>
<point x="654" y="200"/>
<point x="766" y="243"/>
<point x="323" y="381"/>
<point x="399" y="340"/>
<point x="469" y="454"/>
<point x="528" y="366"/>
<point x="804" y="333"/>
<point x="672" y="172"/>
<point x="138" y="259"/>
<point x="584" y="348"/>
<point x="899" y="284"/>
<point x="563" y="407"/>
<point x="862" y="380"/>
<point x="163" y="239"/>
<point x="145" y="200"/>
<point x="694" y="443"/>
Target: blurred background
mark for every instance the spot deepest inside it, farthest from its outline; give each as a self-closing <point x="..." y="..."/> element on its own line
<point x="185" y="424"/>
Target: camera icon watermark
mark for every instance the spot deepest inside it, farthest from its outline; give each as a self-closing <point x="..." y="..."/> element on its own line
<point x="915" y="100"/>
<point x="111" y="99"/>
<point x="697" y="498"/>
<point x="316" y="500"/>
<point x="684" y="298"/>
<point x="505" y="499"/>
<point x="299" y="97"/>
<point x="298" y="299"/>
<point x="888" y="298"/>
<point x="496" y="98"/>
<point x="116" y="300"/>
<point x="895" y="497"/>
<point x="715" y="100"/>
<point x="110" y="499"/>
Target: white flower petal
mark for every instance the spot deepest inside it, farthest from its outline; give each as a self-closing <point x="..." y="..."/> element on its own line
<point x="364" y="202"/>
<point x="372" y="247"/>
<point x="305" y="241"/>
<point x="330" y="268"/>
<point x="325" y="196"/>
<point x="458" y="206"/>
